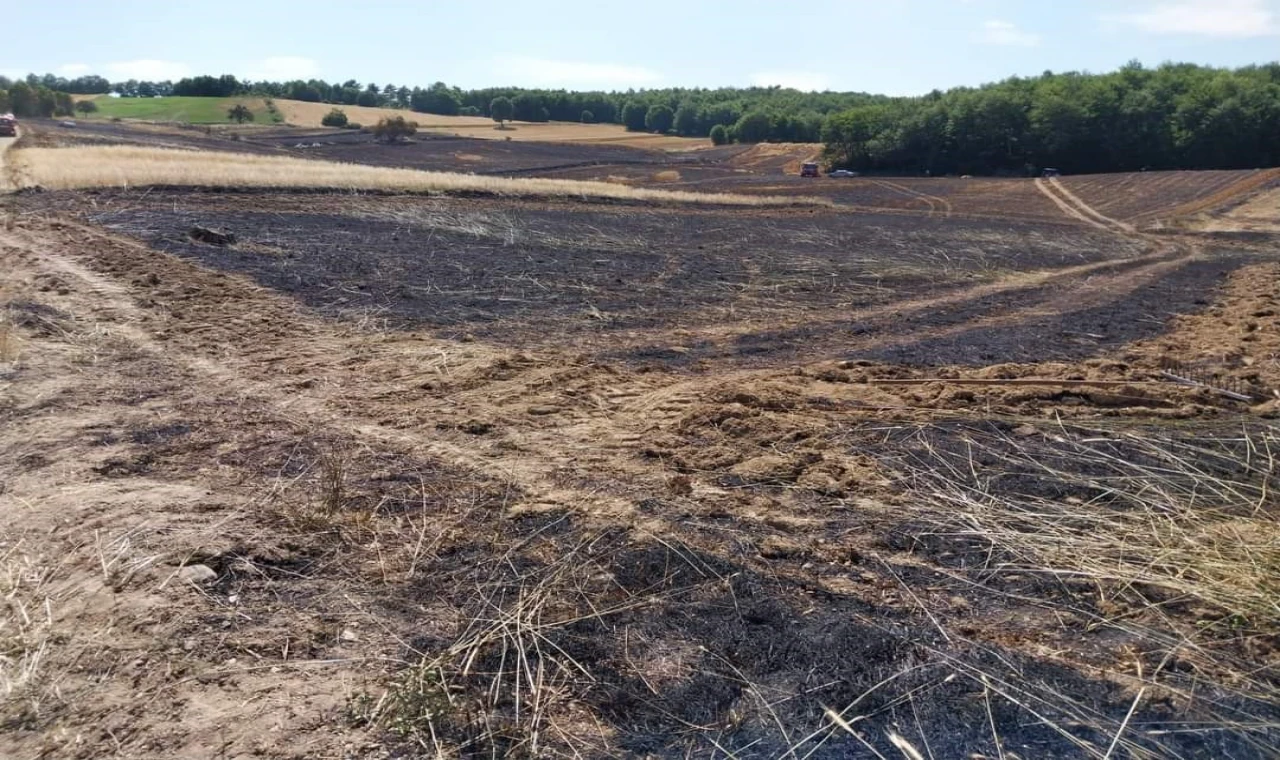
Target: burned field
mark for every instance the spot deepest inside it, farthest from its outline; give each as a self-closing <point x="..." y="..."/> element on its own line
<point x="484" y="476"/>
<point x="643" y="284"/>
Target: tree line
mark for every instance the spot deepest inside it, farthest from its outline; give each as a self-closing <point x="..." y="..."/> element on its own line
<point x="26" y="100"/>
<point x="1175" y="116"/>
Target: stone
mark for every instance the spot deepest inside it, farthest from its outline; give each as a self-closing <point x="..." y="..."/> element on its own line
<point x="197" y="574"/>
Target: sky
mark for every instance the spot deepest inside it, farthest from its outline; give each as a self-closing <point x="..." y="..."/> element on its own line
<point x="895" y="47"/>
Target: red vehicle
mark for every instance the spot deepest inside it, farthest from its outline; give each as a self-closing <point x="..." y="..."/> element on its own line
<point x="809" y="170"/>
<point x="8" y="125"/>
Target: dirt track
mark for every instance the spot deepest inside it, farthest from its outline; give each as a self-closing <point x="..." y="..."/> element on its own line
<point x="692" y="501"/>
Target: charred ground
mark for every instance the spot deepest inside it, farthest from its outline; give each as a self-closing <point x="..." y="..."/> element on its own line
<point x="481" y="476"/>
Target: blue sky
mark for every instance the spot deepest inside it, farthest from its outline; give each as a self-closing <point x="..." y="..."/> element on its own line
<point x="898" y="47"/>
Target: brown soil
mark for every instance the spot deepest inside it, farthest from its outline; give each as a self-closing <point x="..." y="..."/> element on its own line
<point x="484" y="477"/>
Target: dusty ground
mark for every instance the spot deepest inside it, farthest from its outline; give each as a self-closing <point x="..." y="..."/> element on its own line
<point x="400" y="476"/>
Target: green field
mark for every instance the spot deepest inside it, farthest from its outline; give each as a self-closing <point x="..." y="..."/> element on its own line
<point x="189" y="110"/>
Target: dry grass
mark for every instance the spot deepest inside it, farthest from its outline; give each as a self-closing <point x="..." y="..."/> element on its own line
<point x="8" y="339"/>
<point x="310" y="114"/>
<point x="128" y="166"/>
<point x="26" y="622"/>
<point x="1170" y="541"/>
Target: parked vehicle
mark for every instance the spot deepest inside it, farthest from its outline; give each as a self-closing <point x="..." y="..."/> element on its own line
<point x="842" y="173"/>
<point x="8" y="125"/>
<point x="809" y="170"/>
<point x="1050" y="173"/>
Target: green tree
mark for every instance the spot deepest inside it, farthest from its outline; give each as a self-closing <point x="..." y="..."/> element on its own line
<point x="658" y="119"/>
<point x="686" y="120"/>
<point x="634" y="116"/>
<point x="86" y="106"/>
<point x="528" y="106"/>
<point x="22" y="100"/>
<point x="754" y="127"/>
<point x="394" y="129"/>
<point x="500" y="110"/>
<point x="588" y="117"/>
<point x="63" y="105"/>
<point x="239" y="113"/>
<point x="439" y="98"/>
<point x="335" y="118"/>
<point x="719" y="135"/>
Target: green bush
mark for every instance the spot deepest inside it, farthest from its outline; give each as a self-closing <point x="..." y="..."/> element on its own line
<point x="719" y="135"/>
<point x="239" y="113"/>
<point x="335" y="118"/>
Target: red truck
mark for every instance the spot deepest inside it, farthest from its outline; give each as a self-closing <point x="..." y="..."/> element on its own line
<point x="8" y="125"/>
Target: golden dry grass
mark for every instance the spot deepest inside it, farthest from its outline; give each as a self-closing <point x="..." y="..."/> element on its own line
<point x="784" y="156"/>
<point x="309" y="115"/>
<point x="129" y="166"/>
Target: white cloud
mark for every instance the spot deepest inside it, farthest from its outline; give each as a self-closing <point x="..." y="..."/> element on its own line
<point x="74" y="69"/>
<point x="543" y="72"/>
<point x="283" y="68"/>
<point x="148" y="70"/>
<point x="805" y="81"/>
<point x="1207" y="18"/>
<point x="1006" y="34"/>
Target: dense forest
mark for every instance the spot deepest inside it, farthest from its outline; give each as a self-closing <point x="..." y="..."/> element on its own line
<point x="1175" y="116"/>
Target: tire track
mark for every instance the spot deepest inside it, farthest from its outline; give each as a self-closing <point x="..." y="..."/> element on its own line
<point x="1074" y="207"/>
<point x="935" y="202"/>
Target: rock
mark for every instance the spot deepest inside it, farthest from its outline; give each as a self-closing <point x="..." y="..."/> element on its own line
<point x="348" y="635"/>
<point x="212" y="237"/>
<point x="197" y="574"/>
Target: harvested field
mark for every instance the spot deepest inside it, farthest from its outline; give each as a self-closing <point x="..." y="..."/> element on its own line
<point x="326" y="474"/>
<point x="483" y="128"/>
<point x="129" y="166"/>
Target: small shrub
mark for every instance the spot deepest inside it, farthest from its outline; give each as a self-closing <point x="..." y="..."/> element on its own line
<point x="394" y="129"/>
<point x="354" y="125"/>
<point x="335" y="118"/>
<point x="86" y="106"/>
<point x="719" y="135"/>
<point x="588" y="117"/>
<point x="239" y="113"/>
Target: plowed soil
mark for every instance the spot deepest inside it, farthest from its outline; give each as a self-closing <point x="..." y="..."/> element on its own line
<point x="470" y="476"/>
